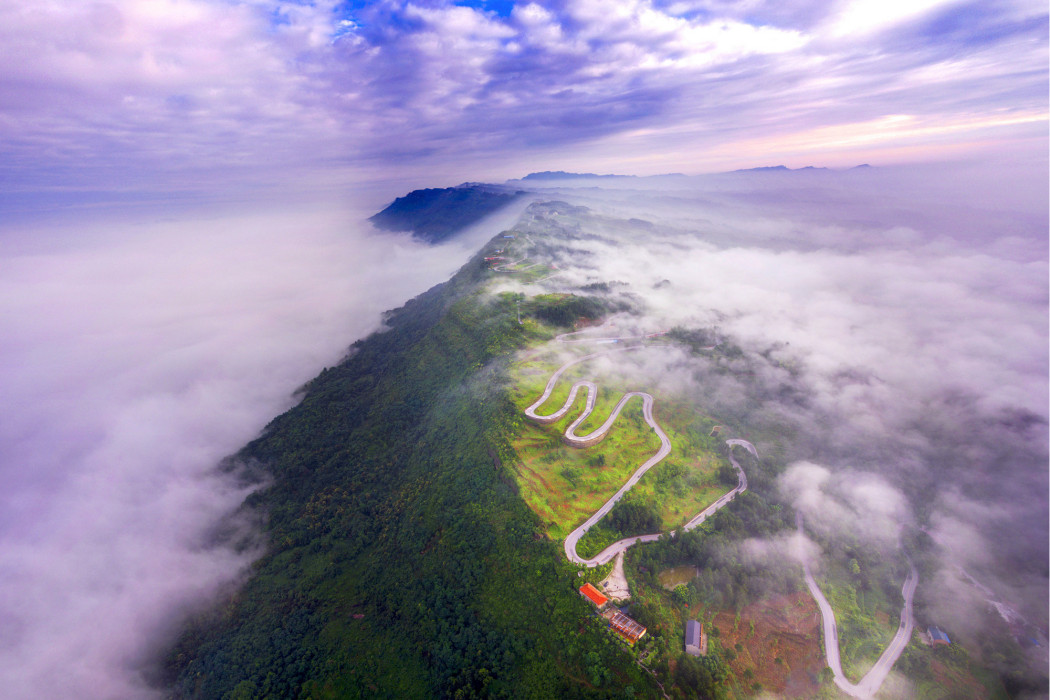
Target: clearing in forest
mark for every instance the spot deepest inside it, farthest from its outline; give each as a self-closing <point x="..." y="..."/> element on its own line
<point x="565" y="485"/>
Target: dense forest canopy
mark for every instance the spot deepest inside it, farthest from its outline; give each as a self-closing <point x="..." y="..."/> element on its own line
<point x="402" y="561"/>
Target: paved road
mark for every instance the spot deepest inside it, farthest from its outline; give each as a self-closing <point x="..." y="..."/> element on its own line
<point x="564" y="337"/>
<point x="665" y="449"/>
<point x="592" y="392"/>
<point x="621" y="545"/>
<point x="615" y="584"/>
<point x="725" y="498"/>
<point x="872" y="681"/>
<point x="572" y="438"/>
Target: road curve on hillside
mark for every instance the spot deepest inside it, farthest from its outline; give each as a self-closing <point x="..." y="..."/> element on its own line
<point x="564" y="337"/>
<point x="607" y="554"/>
<point x="557" y="415"/>
<point x="872" y="681"/>
<point x="665" y="449"/>
<point x="572" y="438"/>
<point x="729" y="496"/>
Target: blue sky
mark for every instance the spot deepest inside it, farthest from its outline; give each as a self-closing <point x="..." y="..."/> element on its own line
<point x="199" y="95"/>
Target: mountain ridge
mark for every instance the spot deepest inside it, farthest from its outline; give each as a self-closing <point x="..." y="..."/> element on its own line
<point x="436" y="214"/>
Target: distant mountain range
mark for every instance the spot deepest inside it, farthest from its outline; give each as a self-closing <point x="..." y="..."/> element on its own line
<point x="785" y="169"/>
<point x="562" y="175"/>
<point x="432" y="215"/>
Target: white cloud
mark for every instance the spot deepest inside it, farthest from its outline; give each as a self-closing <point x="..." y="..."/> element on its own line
<point x="135" y="356"/>
<point x="176" y="91"/>
<point x="860" y="17"/>
<point x="896" y="328"/>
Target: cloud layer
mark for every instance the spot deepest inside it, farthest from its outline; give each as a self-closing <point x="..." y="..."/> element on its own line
<point x="134" y="356"/>
<point x="184" y="93"/>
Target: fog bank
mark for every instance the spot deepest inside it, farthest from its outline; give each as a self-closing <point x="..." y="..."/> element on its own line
<point x="134" y="356"/>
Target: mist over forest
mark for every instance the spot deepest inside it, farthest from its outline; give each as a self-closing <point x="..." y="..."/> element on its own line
<point x="889" y="340"/>
<point x="280" y="278"/>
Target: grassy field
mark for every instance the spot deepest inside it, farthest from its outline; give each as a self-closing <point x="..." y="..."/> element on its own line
<point x="565" y="485"/>
<point x="530" y="377"/>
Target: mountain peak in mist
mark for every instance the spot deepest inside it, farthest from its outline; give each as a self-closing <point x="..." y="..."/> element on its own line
<point x="778" y="169"/>
<point x="435" y="214"/>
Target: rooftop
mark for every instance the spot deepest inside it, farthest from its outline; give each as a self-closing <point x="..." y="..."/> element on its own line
<point x="938" y="636"/>
<point x="692" y="633"/>
<point x="626" y="627"/>
<point x="592" y="594"/>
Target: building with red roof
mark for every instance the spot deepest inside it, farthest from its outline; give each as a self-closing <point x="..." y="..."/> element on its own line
<point x="592" y="594"/>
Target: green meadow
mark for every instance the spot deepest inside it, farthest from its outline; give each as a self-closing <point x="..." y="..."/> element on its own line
<point x="564" y="485"/>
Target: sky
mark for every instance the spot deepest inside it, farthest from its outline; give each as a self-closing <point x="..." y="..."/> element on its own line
<point x="206" y="98"/>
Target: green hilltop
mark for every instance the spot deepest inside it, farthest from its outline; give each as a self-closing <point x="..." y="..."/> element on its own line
<point x="402" y="562"/>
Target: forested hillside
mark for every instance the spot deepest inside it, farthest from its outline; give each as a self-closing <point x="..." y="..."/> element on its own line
<point x="402" y="563"/>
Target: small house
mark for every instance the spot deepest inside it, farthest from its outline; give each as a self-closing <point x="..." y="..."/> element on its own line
<point x="694" y="638"/>
<point x="630" y="630"/>
<point x="937" y="636"/>
<point x="592" y="594"/>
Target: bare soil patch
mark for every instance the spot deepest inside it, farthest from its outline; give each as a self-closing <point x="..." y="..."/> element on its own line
<point x="779" y="641"/>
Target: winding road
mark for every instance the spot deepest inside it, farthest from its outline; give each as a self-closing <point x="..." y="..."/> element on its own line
<point x="872" y="681"/>
<point x="875" y="677"/>
<point x="572" y="438"/>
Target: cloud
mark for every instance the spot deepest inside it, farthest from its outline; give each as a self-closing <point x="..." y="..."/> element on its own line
<point x="793" y="547"/>
<point x="185" y="94"/>
<point x="846" y="503"/>
<point x="134" y="356"/>
<point x="861" y="17"/>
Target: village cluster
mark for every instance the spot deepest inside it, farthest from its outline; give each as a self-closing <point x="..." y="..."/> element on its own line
<point x="631" y="631"/>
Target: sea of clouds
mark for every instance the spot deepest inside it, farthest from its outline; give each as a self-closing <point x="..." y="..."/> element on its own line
<point x="135" y="353"/>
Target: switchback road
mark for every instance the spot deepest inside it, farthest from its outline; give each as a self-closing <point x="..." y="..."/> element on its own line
<point x="572" y="438"/>
<point x="875" y="677"/>
<point x="872" y="681"/>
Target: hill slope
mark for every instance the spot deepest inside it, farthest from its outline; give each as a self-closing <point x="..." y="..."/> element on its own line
<point x="403" y="563"/>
